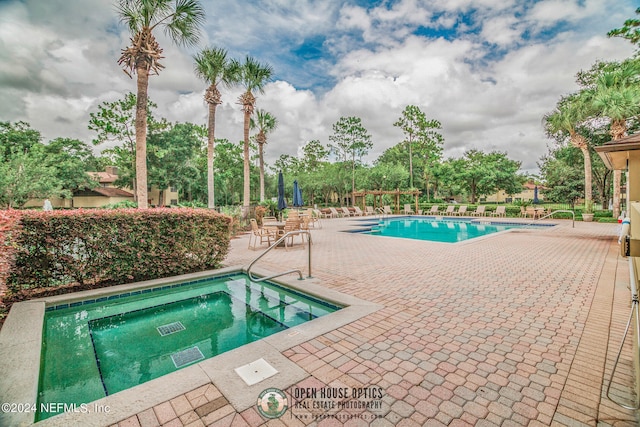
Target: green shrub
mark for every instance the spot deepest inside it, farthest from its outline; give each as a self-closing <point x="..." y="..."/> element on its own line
<point x="125" y="204"/>
<point x="608" y="220"/>
<point x="45" y="249"/>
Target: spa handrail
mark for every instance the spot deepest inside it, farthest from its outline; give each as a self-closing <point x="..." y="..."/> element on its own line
<point x="277" y="242"/>
<point x="573" y="214"/>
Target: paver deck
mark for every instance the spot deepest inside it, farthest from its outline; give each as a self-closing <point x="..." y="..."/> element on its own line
<point x="519" y="328"/>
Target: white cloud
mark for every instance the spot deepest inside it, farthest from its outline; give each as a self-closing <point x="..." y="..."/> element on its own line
<point x="486" y="100"/>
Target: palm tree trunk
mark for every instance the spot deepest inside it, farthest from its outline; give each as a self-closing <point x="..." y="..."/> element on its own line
<point x="141" y="137"/>
<point x="410" y="166"/>
<point x="246" y="197"/>
<point x="618" y="129"/>
<point x="588" y="177"/>
<point x="210" y="156"/>
<point x="261" y="151"/>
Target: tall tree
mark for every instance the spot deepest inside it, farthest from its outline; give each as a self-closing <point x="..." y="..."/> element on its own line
<point x="480" y="173"/>
<point x="173" y="157"/>
<point x="616" y="95"/>
<point x="265" y="123"/>
<point x="564" y="123"/>
<point x="352" y="141"/>
<point x="181" y="20"/>
<point x="213" y="66"/>
<point x="630" y="30"/>
<point x="116" y="122"/>
<point x="417" y="129"/>
<point x="253" y="76"/>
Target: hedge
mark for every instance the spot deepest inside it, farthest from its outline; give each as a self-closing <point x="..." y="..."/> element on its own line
<point x="43" y="249"/>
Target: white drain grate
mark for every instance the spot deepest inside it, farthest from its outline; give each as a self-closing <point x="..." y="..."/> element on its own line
<point x="171" y="328"/>
<point x="186" y="357"/>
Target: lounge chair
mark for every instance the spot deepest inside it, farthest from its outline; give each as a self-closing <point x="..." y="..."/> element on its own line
<point x="345" y="211"/>
<point x="449" y="211"/>
<point x="501" y="211"/>
<point x="407" y="209"/>
<point x="335" y="213"/>
<point x="368" y="210"/>
<point x="433" y="211"/>
<point x="316" y="214"/>
<point x="385" y="210"/>
<point x="357" y="211"/>
<point x="260" y="233"/>
<point x="462" y="210"/>
<point x="479" y="211"/>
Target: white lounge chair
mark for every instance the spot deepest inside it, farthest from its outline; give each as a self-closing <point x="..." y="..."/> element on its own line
<point x="357" y="211"/>
<point x="462" y="210"/>
<point x="501" y="211"/>
<point x="407" y="209"/>
<point x="479" y="211"/>
<point x="345" y="211"/>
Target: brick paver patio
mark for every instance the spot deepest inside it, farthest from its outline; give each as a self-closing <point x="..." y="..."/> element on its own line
<point x="516" y="329"/>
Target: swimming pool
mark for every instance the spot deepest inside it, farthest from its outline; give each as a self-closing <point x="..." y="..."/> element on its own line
<point x="96" y="347"/>
<point x="449" y="230"/>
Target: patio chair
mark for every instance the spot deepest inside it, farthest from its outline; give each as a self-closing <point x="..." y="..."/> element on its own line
<point x="305" y="225"/>
<point x="357" y="211"/>
<point x="479" y="211"/>
<point x="501" y="211"/>
<point x="316" y="215"/>
<point x="449" y="211"/>
<point x="345" y="211"/>
<point x="291" y="224"/>
<point x="368" y="210"/>
<point x="433" y="211"/>
<point x="407" y="209"/>
<point x="462" y="210"/>
<point x="260" y="233"/>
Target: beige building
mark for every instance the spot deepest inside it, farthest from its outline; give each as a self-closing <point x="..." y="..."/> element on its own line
<point x="527" y="194"/>
<point x="624" y="154"/>
<point x="106" y="193"/>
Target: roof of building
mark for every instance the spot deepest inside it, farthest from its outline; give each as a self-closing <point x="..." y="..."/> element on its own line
<point x="104" y="177"/>
<point x="104" y="191"/>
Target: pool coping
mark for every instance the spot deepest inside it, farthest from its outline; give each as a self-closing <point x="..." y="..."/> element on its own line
<point x="21" y="342"/>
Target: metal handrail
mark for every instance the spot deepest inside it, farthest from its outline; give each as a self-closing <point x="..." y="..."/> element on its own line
<point x="277" y="242"/>
<point x="573" y="214"/>
<point x="634" y="311"/>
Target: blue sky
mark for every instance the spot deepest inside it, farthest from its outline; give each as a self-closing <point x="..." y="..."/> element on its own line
<point x="488" y="70"/>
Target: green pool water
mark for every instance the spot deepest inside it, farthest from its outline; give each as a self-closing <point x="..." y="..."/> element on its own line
<point x="99" y="347"/>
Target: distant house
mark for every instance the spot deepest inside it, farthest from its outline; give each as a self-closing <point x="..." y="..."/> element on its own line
<point x="527" y="194"/>
<point x="106" y="193"/>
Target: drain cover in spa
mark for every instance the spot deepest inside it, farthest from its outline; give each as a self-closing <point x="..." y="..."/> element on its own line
<point x="255" y="372"/>
<point x="186" y="357"/>
<point x="170" y="328"/>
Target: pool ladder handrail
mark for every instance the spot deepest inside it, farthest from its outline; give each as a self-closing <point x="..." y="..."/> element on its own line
<point x="573" y="214"/>
<point x="276" y="243"/>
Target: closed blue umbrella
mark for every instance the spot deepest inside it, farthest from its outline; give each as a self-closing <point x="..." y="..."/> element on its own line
<point x="282" y="204"/>
<point x="297" y="195"/>
<point x="535" y="195"/>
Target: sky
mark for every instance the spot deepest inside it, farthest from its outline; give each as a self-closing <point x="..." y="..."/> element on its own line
<point x="488" y="70"/>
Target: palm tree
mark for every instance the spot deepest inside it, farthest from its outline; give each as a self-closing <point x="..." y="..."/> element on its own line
<point x="253" y="76"/>
<point x="181" y="20"/>
<point x="213" y="66"/>
<point x="265" y="124"/>
<point x="571" y="111"/>
<point x="616" y="95"/>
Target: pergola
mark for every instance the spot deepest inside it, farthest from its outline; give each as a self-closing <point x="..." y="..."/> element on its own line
<point x="377" y="197"/>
